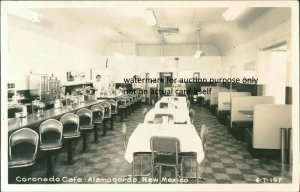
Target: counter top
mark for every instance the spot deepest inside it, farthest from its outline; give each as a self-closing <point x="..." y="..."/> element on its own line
<point x="34" y="119"/>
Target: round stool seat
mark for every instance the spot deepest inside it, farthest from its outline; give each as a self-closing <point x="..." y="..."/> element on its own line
<point x="52" y="144"/>
<point x="70" y="135"/>
<point x="86" y="127"/>
<point x="21" y="160"/>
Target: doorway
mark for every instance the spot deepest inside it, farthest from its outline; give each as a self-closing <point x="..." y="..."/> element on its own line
<point x="166" y="84"/>
<point x="275" y="72"/>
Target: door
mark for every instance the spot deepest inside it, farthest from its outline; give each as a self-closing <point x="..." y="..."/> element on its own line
<point x="167" y="83"/>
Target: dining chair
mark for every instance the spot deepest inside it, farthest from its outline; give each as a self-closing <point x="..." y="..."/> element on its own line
<point x="165" y="153"/>
<point x="193" y="155"/>
<point x="136" y="154"/>
<point x="145" y="111"/>
<point x="158" y="118"/>
<point x="203" y="136"/>
<point x="188" y="104"/>
<point x="192" y="115"/>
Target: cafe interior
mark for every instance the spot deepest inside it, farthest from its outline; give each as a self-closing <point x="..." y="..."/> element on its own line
<point x="143" y="94"/>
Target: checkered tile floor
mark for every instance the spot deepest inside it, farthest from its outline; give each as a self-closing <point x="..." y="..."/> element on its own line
<point x="227" y="161"/>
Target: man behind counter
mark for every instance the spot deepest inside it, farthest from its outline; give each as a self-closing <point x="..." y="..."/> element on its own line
<point x="98" y="86"/>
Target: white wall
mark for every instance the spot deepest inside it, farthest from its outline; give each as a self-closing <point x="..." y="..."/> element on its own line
<point x="176" y="50"/>
<point x="31" y="52"/>
<point x="250" y="51"/>
<point x="128" y="66"/>
<point x="126" y="48"/>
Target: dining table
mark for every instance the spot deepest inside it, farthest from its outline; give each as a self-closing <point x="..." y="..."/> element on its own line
<point x="178" y="102"/>
<point x="180" y="128"/>
<point x="189" y="139"/>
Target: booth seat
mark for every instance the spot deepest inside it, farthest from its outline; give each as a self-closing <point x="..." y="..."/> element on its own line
<point x="214" y="98"/>
<point x="238" y="120"/>
<point x="267" y="121"/>
<point x="206" y="97"/>
<point x="224" y="102"/>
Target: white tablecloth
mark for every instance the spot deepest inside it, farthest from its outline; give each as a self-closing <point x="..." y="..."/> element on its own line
<point x="180" y="103"/>
<point x="189" y="139"/>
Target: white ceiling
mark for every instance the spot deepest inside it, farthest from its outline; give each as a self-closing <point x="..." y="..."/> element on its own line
<point x="94" y="28"/>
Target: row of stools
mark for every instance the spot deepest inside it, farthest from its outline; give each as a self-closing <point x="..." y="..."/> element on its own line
<point x="24" y="143"/>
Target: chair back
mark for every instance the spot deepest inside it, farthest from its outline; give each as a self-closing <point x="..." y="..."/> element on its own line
<point x="113" y="105"/>
<point x="85" y="116"/>
<point x="70" y="122"/>
<point x="165" y="146"/>
<point x="23" y="141"/>
<point x="98" y="113"/>
<point x="158" y="118"/>
<point x="163" y="105"/>
<point x="192" y="114"/>
<point x="127" y="98"/>
<point x="203" y="135"/>
<point x="131" y="99"/>
<point x="135" y="98"/>
<point x="188" y="103"/>
<point x="124" y="134"/>
<point x="50" y="129"/>
<point x="107" y="108"/>
<point x="145" y="111"/>
<point x="121" y="101"/>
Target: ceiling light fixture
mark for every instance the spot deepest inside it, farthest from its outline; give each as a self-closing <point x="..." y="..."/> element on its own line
<point x="198" y="52"/>
<point x="26" y="14"/>
<point x="150" y="17"/>
<point x="233" y="12"/>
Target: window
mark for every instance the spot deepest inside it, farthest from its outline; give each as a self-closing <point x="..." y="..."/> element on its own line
<point x="276" y="72"/>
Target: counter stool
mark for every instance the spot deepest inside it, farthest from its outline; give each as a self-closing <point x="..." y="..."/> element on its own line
<point x="50" y="141"/>
<point x="114" y="110"/>
<point x="85" y="125"/>
<point x="107" y="113"/>
<point x="121" y="101"/>
<point x="22" y="149"/>
<point x="71" y="132"/>
<point x="98" y="116"/>
<point x="131" y="103"/>
<point x="128" y="105"/>
<point x="134" y="101"/>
